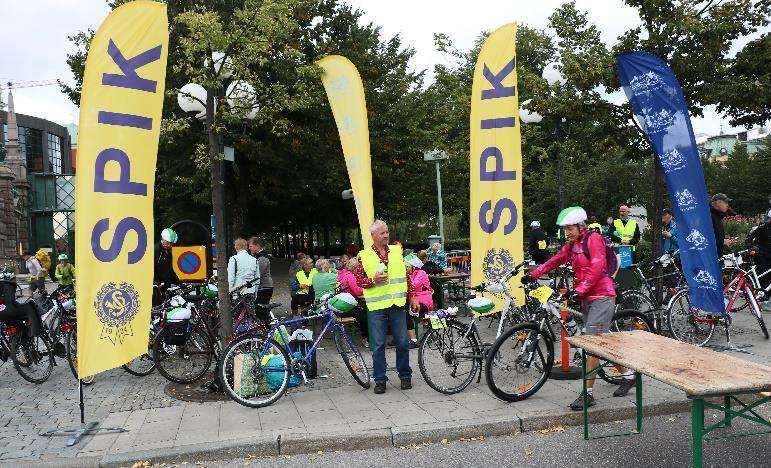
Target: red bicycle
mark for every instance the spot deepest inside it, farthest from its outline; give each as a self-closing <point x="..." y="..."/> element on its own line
<point x="692" y="325"/>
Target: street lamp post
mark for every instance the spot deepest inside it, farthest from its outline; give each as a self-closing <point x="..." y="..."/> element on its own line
<point x="202" y="103"/>
<point x="438" y="156"/>
<point x="534" y="117"/>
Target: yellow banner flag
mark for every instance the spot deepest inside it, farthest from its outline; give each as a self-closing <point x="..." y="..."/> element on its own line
<point x="120" y="119"/>
<point x="346" y="97"/>
<point x="496" y="162"/>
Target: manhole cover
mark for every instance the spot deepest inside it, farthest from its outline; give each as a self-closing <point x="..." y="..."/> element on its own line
<point x="195" y="391"/>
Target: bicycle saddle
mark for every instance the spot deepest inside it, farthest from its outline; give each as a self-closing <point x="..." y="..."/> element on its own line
<point x="268" y="307"/>
<point x="194" y="297"/>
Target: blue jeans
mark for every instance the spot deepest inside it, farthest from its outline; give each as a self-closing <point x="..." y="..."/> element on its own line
<point x="378" y="327"/>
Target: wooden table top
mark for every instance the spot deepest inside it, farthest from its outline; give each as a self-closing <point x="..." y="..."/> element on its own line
<point x="697" y="371"/>
<point x="453" y="275"/>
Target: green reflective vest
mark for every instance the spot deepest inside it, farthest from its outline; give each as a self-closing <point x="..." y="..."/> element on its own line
<point x="302" y="279"/>
<point x="394" y="291"/>
<point x="625" y="232"/>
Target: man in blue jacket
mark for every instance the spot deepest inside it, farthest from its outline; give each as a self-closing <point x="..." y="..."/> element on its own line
<point x="669" y="232"/>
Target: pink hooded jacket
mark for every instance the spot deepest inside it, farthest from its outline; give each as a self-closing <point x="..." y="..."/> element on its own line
<point x="348" y="283"/>
<point x="422" y="288"/>
<point x="590" y="277"/>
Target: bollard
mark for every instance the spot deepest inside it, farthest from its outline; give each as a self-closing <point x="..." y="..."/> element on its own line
<point x="565" y="371"/>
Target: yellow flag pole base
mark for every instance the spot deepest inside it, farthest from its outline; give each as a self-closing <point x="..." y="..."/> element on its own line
<point x="77" y="433"/>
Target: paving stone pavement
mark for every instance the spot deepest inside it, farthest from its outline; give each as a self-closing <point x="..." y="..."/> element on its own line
<point x="334" y="404"/>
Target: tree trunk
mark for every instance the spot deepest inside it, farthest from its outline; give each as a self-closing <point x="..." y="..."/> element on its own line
<point x="326" y="238"/>
<point x="218" y="206"/>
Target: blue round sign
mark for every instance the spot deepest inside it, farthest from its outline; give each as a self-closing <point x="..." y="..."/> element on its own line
<point x="189" y="263"/>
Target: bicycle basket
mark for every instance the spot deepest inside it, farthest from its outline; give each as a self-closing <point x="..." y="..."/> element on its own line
<point x="342" y="303"/>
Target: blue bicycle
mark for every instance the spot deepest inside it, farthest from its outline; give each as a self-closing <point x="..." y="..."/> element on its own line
<point x="256" y="370"/>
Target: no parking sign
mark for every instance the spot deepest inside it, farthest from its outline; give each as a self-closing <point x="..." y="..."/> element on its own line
<point x="189" y="262"/>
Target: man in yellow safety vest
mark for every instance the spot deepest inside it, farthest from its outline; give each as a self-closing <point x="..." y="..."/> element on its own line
<point x="625" y="229"/>
<point x="383" y="276"/>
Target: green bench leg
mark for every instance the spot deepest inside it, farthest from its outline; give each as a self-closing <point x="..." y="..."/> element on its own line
<point x="639" y="400"/>
<point x="697" y="431"/>
<point x="727" y="405"/>
<point x="585" y="396"/>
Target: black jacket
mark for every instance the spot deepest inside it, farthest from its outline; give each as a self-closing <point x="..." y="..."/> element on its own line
<point x="538" y="255"/>
<point x="717" y="225"/>
<point x="761" y="238"/>
<point x="163" y="271"/>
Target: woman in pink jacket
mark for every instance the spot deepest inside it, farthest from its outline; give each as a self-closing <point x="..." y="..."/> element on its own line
<point x="421" y="287"/>
<point x="348" y="284"/>
<point x="592" y="284"/>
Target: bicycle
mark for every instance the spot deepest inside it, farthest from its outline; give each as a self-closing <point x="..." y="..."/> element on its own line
<point x="691" y="325"/>
<point x="645" y="299"/>
<point x="184" y="350"/>
<point x="521" y="359"/>
<point x="22" y="333"/>
<point x="255" y="370"/>
<point x="732" y="264"/>
<point x="454" y="350"/>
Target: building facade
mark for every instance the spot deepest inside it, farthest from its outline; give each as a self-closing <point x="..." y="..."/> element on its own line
<point x="37" y="185"/>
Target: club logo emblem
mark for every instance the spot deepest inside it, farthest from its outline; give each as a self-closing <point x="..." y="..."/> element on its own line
<point x="116" y="306"/>
<point x="685" y="200"/>
<point x="645" y="83"/>
<point x="705" y="280"/>
<point x="497" y="263"/>
<point x="697" y="239"/>
<point x="672" y="160"/>
<point x="657" y="122"/>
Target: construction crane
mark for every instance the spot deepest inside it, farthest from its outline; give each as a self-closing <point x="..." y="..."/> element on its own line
<point x="25" y="84"/>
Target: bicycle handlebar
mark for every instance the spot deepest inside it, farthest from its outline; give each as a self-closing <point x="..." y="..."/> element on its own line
<point x="514" y="272"/>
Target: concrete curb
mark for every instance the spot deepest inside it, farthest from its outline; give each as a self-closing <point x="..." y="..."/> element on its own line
<point x="261" y="446"/>
<point x="299" y="443"/>
<point x="296" y="443"/>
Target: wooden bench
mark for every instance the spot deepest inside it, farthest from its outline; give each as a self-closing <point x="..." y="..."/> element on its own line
<point x="699" y="372"/>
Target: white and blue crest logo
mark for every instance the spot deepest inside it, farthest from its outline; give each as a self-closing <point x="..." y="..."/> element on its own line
<point x="646" y="83"/>
<point x="697" y="240"/>
<point x="116" y="306"/>
<point x="705" y="280"/>
<point x="672" y="160"/>
<point x="685" y="200"/>
<point x="657" y="122"/>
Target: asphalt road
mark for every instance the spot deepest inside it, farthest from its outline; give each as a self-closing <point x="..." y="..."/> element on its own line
<point x="665" y="442"/>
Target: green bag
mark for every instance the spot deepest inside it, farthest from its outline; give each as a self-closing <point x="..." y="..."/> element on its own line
<point x="243" y="381"/>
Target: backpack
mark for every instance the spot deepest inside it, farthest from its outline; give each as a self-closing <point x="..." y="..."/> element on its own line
<point x="44" y="260"/>
<point x="611" y="257"/>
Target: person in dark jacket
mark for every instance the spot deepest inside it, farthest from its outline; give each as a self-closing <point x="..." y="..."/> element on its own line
<point x="537" y="244"/>
<point x="718" y="208"/>
<point x="761" y="239"/>
<point x="163" y="272"/>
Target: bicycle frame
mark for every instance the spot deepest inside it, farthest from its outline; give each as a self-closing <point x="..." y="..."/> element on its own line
<point x="740" y="285"/>
<point x="277" y="327"/>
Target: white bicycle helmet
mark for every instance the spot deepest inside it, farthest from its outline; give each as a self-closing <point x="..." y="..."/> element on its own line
<point x="535" y="224"/>
<point x="169" y="235"/>
<point x="571" y="215"/>
<point x="63" y="257"/>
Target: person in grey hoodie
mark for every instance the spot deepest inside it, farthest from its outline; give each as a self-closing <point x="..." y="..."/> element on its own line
<point x="257" y="249"/>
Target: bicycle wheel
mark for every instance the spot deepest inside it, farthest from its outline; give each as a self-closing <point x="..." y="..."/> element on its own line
<point x="519" y="362"/>
<point x="756" y="311"/>
<point x="184" y="363"/>
<point x="254" y="371"/>
<point x="352" y="358"/>
<point x="145" y="364"/>
<point x="32" y="357"/>
<point x="686" y="323"/>
<point x="633" y="299"/>
<point x="728" y="275"/>
<point x="625" y="320"/>
<point x="449" y="357"/>
<point x="71" y="340"/>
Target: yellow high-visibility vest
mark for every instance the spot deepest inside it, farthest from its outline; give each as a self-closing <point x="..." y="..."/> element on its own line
<point x="394" y="291"/>
<point x="627" y="232"/>
<point x="596" y="227"/>
<point x="302" y="279"/>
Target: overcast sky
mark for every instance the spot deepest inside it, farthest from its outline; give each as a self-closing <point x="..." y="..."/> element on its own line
<point x="35" y="37"/>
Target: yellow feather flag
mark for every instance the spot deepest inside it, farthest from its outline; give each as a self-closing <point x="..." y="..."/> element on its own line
<point x="346" y="97"/>
<point x="496" y="161"/>
<point x="120" y="119"/>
